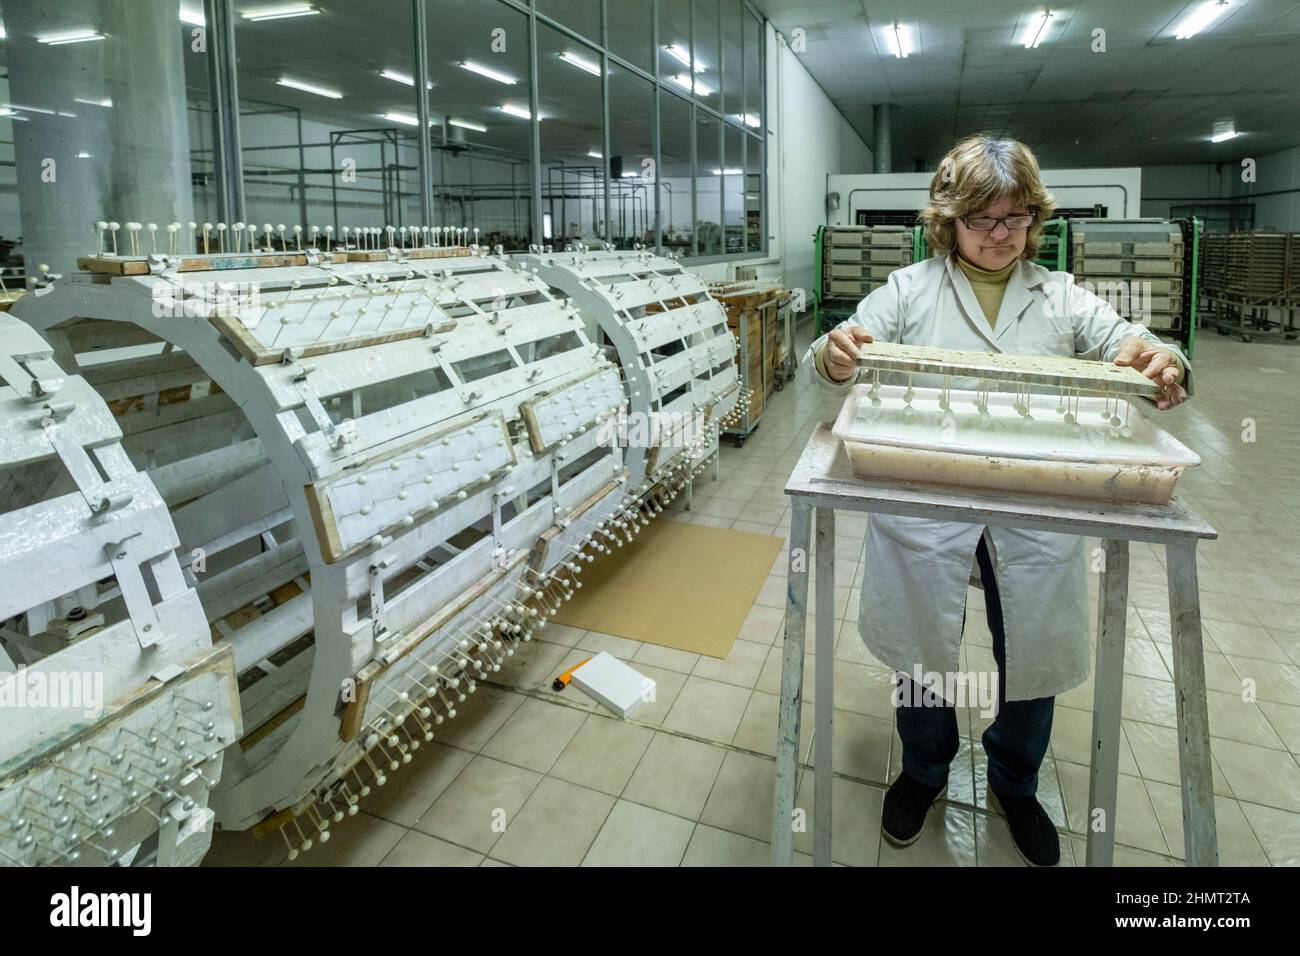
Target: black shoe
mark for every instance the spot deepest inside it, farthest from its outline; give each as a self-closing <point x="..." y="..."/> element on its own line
<point x="906" y="804"/>
<point x="1032" y="830"/>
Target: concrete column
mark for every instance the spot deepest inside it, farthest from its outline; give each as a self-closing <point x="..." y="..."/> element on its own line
<point x="881" y="145"/>
<point x="77" y="162"/>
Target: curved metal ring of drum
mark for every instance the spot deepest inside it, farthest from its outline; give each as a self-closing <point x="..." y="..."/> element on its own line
<point x="114" y="705"/>
<point x="671" y="337"/>
<point x="373" y="464"/>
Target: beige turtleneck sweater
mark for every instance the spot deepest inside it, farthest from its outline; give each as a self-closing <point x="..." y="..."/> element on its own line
<point x="989" y="286"/>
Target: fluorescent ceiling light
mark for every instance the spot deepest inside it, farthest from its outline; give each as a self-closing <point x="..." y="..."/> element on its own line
<point x="83" y="155"/>
<point x="308" y="88"/>
<point x="1200" y="18"/>
<point x="595" y="154"/>
<point x="73" y="36"/>
<point x="2" y="31"/>
<point x="193" y="17"/>
<point x="580" y="62"/>
<point x="405" y="78"/>
<point x="104" y="102"/>
<point x="1036" y="30"/>
<point x="749" y="119"/>
<point x="282" y="12"/>
<point x="899" y="39"/>
<point x="6" y="111"/>
<point x="404" y="118"/>
<point x="631" y="176"/>
<point x="679" y="54"/>
<point x="727" y="172"/>
<point x="466" y="124"/>
<point x="519" y="111"/>
<point x="28" y="109"/>
<point x="698" y="86"/>
<point x="1223" y="136"/>
<point x="487" y="71"/>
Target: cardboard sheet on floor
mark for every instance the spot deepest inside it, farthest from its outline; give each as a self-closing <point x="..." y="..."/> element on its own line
<point x="686" y="586"/>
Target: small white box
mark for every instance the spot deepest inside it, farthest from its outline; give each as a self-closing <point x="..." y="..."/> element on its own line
<point x="614" y="684"/>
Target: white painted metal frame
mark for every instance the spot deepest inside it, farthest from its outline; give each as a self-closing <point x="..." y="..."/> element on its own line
<point x="81" y="616"/>
<point x="613" y="290"/>
<point x="334" y="373"/>
<point x="822" y="483"/>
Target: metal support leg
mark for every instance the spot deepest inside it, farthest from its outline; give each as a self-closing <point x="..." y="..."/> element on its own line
<point x="787" y="733"/>
<point x="1200" y="842"/>
<point x="1107" y="695"/>
<point x="824" y="705"/>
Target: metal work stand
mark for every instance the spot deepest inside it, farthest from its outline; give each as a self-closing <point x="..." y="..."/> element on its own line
<point x="822" y="483"/>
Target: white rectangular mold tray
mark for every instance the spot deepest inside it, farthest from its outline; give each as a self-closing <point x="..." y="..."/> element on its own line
<point x="1003" y="450"/>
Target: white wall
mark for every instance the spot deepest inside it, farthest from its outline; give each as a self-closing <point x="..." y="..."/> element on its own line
<point x="1185" y="184"/>
<point x="809" y="140"/>
<point x="1275" y="191"/>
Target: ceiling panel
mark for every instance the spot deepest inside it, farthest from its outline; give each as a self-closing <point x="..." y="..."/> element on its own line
<point x="1245" y="69"/>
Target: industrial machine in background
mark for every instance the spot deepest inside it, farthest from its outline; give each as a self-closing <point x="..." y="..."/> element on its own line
<point x="337" y="486"/>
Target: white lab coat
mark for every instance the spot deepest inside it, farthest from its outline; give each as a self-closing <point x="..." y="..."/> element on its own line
<point x="918" y="569"/>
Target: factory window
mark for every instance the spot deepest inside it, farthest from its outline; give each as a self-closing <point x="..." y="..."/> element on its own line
<point x="754" y="41"/>
<point x="753" y="196"/>
<point x="328" y="135"/>
<point x="481" y="132"/>
<point x="316" y="120"/>
<point x="580" y="16"/>
<point x="631" y="158"/>
<point x="631" y="32"/>
<point x="572" y="137"/>
<point x="674" y="53"/>
<point x="676" y="212"/>
<point x="708" y="53"/>
<point x="733" y="189"/>
<point x="708" y="183"/>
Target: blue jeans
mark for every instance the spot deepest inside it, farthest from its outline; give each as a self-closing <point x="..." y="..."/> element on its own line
<point x="1015" y="742"/>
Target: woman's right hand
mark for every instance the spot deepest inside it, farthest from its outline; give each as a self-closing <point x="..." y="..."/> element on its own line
<point x="842" y="350"/>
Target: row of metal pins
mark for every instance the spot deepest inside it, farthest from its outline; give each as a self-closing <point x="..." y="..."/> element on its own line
<point x="243" y="237"/>
<point x="669" y="484"/>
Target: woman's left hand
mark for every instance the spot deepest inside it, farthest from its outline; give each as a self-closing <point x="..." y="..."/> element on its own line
<point x="1158" y="364"/>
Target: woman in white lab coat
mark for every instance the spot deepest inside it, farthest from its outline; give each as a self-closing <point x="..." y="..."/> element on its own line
<point x="981" y="291"/>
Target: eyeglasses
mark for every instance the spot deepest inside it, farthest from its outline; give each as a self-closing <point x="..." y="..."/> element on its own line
<point x="988" y="225"/>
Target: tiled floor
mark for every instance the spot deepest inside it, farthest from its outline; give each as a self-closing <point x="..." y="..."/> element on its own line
<point x="526" y="776"/>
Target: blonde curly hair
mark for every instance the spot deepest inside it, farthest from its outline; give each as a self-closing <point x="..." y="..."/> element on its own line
<point x="978" y="172"/>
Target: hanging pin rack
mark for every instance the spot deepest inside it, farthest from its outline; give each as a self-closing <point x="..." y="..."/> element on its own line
<point x="1053" y="371"/>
